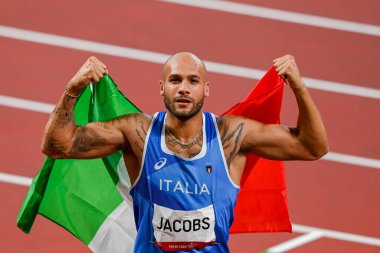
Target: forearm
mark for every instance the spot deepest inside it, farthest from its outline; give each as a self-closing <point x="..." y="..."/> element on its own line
<point x="309" y="139"/>
<point x="61" y="126"/>
<point x="310" y="128"/>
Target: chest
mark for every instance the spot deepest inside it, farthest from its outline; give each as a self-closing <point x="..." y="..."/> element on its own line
<point x="182" y="150"/>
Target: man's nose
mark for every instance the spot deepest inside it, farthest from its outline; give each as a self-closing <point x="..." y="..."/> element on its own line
<point x="184" y="87"/>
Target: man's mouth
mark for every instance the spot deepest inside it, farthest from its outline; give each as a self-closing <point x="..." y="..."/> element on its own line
<point x="183" y="100"/>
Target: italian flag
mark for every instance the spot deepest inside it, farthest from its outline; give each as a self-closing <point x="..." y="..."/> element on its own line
<point x="90" y="198"/>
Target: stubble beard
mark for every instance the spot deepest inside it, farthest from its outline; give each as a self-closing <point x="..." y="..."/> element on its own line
<point x="183" y="115"/>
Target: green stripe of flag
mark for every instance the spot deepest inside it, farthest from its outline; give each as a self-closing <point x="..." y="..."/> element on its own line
<point x="80" y="194"/>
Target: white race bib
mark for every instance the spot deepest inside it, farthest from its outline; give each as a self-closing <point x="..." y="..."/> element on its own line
<point x="183" y="230"/>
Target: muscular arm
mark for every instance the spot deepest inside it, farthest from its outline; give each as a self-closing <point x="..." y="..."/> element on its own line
<point x="64" y="139"/>
<point x="306" y="141"/>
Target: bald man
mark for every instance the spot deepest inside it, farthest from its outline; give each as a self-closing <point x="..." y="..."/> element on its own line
<point x="185" y="165"/>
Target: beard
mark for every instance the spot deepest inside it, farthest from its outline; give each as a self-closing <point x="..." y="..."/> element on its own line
<point x="183" y="115"/>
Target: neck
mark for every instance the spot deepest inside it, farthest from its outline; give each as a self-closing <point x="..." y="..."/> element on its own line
<point x="185" y="130"/>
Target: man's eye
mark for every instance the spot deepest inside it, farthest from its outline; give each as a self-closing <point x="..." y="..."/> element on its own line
<point x="175" y="80"/>
<point x="194" y="81"/>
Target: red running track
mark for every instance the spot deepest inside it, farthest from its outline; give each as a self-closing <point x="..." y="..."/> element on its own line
<point x="323" y="194"/>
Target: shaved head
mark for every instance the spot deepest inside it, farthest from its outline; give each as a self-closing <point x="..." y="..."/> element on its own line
<point x="182" y="58"/>
<point x="184" y="85"/>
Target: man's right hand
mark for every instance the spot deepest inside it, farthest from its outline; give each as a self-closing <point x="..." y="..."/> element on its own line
<point x="91" y="71"/>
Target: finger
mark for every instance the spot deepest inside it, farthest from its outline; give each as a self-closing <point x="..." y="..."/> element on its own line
<point x="95" y="61"/>
<point x="284" y="75"/>
<point x="93" y="77"/>
<point x="283" y="72"/>
<point x="92" y="74"/>
<point x="99" y="63"/>
<point x="98" y="72"/>
<point x="102" y="69"/>
<point x="282" y="68"/>
<point x="99" y="69"/>
<point x="281" y="60"/>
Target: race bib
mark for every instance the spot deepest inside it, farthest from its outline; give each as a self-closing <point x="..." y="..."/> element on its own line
<point x="183" y="230"/>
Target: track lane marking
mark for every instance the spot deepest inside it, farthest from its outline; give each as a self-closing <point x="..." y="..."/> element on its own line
<point x="314" y="232"/>
<point x="295" y="242"/>
<point x="15" y="179"/>
<point x="36" y="106"/>
<point x="154" y="57"/>
<point x="352" y="159"/>
<point x="333" y="234"/>
<point x="281" y="15"/>
<point x="26" y="104"/>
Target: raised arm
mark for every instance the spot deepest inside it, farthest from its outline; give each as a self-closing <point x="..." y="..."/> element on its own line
<point x="63" y="139"/>
<point x="306" y="141"/>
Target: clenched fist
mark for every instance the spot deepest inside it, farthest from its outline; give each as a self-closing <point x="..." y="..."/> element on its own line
<point x="287" y="69"/>
<point x="91" y="71"/>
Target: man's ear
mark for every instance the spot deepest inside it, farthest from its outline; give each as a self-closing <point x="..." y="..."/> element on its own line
<point x="161" y="88"/>
<point x="207" y="89"/>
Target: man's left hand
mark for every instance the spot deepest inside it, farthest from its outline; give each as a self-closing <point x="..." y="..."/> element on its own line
<point x="287" y="69"/>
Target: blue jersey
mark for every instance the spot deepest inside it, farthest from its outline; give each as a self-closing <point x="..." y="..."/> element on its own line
<point x="183" y="204"/>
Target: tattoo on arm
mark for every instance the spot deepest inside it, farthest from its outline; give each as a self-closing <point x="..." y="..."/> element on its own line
<point x="140" y="142"/>
<point x="61" y="121"/>
<point x="85" y="140"/>
<point x="141" y="134"/>
<point x="224" y="127"/>
<point x="142" y="127"/>
<point x="54" y="147"/>
<point x="64" y="118"/>
<point x="231" y="138"/>
<point x="63" y="113"/>
<point x="235" y="134"/>
<point x="138" y="145"/>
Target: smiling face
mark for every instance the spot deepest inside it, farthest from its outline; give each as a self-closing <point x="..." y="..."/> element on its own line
<point x="184" y="85"/>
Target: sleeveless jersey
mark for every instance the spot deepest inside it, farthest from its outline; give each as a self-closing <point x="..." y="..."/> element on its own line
<point x="183" y="204"/>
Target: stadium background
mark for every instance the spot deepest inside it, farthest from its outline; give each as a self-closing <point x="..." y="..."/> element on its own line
<point x="339" y="193"/>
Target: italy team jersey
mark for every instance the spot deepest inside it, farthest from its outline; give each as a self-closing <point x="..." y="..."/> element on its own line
<point x="183" y="204"/>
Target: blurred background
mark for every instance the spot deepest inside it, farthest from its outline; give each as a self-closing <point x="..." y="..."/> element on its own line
<point x="334" y="203"/>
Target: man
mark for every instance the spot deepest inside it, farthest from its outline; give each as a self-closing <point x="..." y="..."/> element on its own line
<point x="185" y="165"/>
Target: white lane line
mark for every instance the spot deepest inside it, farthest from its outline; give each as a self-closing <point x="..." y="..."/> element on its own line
<point x="337" y="235"/>
<point x="281" y="15"/>
<point x="149" y="56"/>
<point x="351" y="159"/>
<point x="295" y="242"/>
<point x="26" y="104"/>
<point x="14" y="179"/>
<point x="30" y="105"/>
<point x="26" y="181"/>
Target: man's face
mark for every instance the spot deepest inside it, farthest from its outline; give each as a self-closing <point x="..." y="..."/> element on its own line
<point x="184" y="87"/>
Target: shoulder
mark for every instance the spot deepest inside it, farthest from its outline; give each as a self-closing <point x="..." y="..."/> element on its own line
<point x="225" y="122"/>
<point x="129" y="122"/>
<point x="132" y="118"/>
<point x="232" y="121"/>
<point x="134" y="127"/>
<point x="141" y="118"/>
<point x="237" y="129"/>
<point x="230" y="128"/>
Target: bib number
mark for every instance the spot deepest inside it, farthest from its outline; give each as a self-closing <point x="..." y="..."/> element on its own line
<point x="183" y="230"/>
